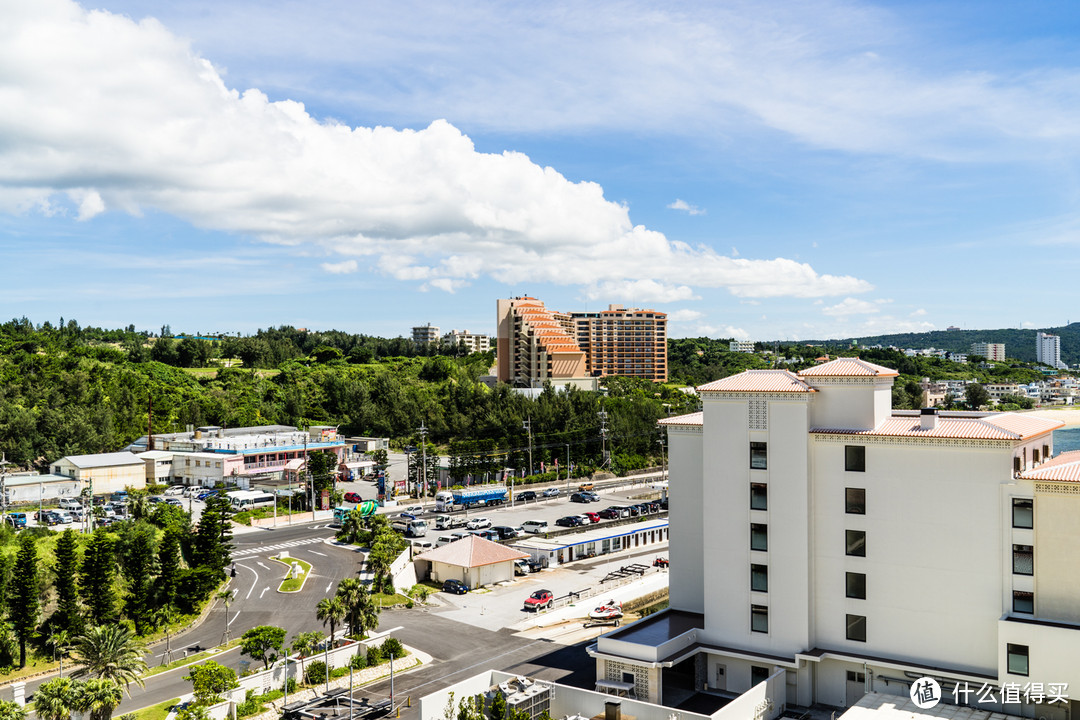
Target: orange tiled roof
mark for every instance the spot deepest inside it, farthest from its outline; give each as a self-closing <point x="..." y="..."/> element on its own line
<point x="848" y="367"/>
<point x="689" y="419"/>
<point x="1063" y="468"/>
<point x="758" y="381"/>
<point x="472" y="551"/>
<point x="1006" y="426"/>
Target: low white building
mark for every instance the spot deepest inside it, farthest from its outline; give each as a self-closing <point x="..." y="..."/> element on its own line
<point x="23" y="488"/>
<point x="816" y="531"/>
<point x="105" y="472"/>
<point x="472" y="560"/>
<point x="743" y="346"/>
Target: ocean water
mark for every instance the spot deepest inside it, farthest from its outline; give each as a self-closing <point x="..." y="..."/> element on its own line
<point x="1066" y="439"/>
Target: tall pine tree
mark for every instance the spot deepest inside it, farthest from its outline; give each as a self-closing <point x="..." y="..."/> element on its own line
<point x="213" y="547"/>
<point x="66" y="617"/>
<point x="168" y="570"/>
<point x="24" y="606"/>
<point x="139" y="568"/>
<point x="98" y="575"/>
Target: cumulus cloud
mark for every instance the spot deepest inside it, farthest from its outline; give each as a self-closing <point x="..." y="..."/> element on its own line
<point x="851" y="306"/>
<point x="685" y="315"/>
<point x="124" y="115"/>
<point x="1028" y="325"/>
<point x="685" y="207"/>
<point x="919" y="313"/>
<point x="341" y="268"/>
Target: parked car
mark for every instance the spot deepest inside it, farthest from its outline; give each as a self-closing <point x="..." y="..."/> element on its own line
<point x="486" y="534"/>
<point x="540" y="600"/>
<point x="205" y="494"/>
<point x="63" y="517"/>
<point x="568" y="521"/>
<point x="591" y="496"/>
<point x="526" y="495"/>
<point x="16" y="520"/>
<point x="455" y="586"/>
<point x="478" y="523"/>
<point x="352" y="497"/>
<point x="614" y="512"/>
<point x="507" y="533"/>
<point x="593" y="517"/>
<point x="663" y="504"/>
<point x="155" y="499"/>
<point x="174" y="501"/>
<point x="551" y="492"/>
<point x="579" y="498"/>
<point x="174" y="490"/>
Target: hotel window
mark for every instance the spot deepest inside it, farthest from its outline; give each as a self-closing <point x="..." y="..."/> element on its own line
<point x="758" y="455"/>
<point x="855" y="501"/>
<point x="1017" y="659"/>
<point x="856" y="543"/>
<point x="1023" y="513"/>
<point x="855" y="458"/>
<point x="759" y="578"/>
<point x="759" y="496"/>
<point x="1023" y="560"/>
<point x="856" y="628"/>
<point x="856" y="585"/>
<point x="759" y="618"/>
<point x="759" y="536"/>
<point x="1023" y="602"/>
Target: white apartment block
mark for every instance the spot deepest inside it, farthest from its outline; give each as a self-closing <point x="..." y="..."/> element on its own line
<point x="1048" y="350"/>
<point x="472" y="341"/>
<point x="816" y="531"/>
<point x="425" y="334"/>
<point x="994" y="352"/>
<point x="745" y="346"/>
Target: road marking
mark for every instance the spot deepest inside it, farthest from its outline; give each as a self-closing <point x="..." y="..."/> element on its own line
<point x="316" y="552"/>
<point x="263" y="592"/>
<point x="235" y="616"/>
<point x="328" y="586"/>
<point x="252" y="582"/>
<point x="261" y="565"/>
<point x="276" y="546"/>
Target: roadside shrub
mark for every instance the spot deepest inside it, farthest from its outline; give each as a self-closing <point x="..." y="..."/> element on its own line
<point x="358" y="662"/>
<point x="315" y="672"/>
<point x="392" y="648"/>
<point x="374" y="656"/>
<point x="291" y="685"/>
<point x="338" y="672"/>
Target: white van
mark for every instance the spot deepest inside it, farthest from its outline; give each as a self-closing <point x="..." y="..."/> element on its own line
<point x="70" y="504"/>
<point x="535" y="526"/>
<point x="444" y="540"/>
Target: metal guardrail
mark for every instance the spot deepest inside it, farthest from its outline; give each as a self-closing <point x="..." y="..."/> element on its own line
<point x="604" y="587"/>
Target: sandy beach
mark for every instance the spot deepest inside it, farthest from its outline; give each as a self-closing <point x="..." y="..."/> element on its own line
<point x="1069" y="416"/>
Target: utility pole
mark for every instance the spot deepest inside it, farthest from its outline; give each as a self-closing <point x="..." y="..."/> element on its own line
<point x="663" y="460"/>
<point x="3" y="485"/>
<point x="567" y="466"/>
<point x="422" y="490"/>
<point x="527" y="426"/>
<point x="603" y="437"/>
<point x="307" y="477"/>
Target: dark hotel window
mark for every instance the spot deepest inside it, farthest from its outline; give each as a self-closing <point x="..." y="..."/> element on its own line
<point x="759" y="578"/>
<point x="856" y="542"/>
<point x="1017" y="659"/>
<point x="759" y="496"/>
<point x="855" y="501"/>
<point x="758" y="455"/>
<point x="855" y="458"/>
<point x="1023" y="513"/>
<point x="759" y="536"/>
<point x="759" y="618"/>
<point x="856" y="627"/>
<point x="856" y="585"/>
<point x="1023" y="602"/>
<point x="1023" y="560"/>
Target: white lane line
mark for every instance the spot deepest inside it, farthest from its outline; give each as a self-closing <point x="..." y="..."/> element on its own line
<point x="316" y="552"/>
<point x="328" y="586"/>
<point x="263" y="592"/>
<point x="235" y="616"/>
<point x="255" y="572"/>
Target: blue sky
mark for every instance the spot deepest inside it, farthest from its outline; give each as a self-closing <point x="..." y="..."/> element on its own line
<point x="761" y="170"/>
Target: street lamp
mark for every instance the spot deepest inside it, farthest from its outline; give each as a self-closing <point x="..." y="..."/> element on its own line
<point x="527" y="426"/>
<point x="3" y="485"/>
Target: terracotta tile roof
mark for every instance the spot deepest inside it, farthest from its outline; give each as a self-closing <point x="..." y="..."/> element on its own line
<point x="690" y="419"/>
<point x="848" y="367"/>
<point x="1006" y="426"/>
<point x="472" y="551"/>
<point x="1063" y="468"/>
<point x="758" y="381"/>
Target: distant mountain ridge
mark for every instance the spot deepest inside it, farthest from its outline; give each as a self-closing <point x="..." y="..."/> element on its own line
<point x="1019" y="344"/>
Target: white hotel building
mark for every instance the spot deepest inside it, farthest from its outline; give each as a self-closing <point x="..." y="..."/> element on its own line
<point x="816" y="531"/>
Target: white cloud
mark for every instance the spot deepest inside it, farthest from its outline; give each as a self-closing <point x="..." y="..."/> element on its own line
<point x="851" y="306"/>
<point x="1027" y="325"/>
<point x="718" y="331"/>
<point x="919" y="313"/>
<point x="686" y="207"/>
<point x="684" y="315"/>
<point x="829" y="73"/>
<point x="126" y="116"/>
<point x="341" y="268"/>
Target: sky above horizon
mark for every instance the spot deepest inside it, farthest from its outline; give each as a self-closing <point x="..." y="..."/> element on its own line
<point x="789" y="170"/>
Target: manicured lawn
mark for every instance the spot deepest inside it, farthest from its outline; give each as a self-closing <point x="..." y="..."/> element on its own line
<point x="292" y="584"/>
<point x="181" y="660"/>
<point x="385" y="600"/>
<point x="156" y="712"/>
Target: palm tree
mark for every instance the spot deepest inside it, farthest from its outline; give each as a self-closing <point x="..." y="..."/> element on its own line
<point x="111" y="652"/>
<point x="61" y="643"/>
<point x="367" y="611"/>
<point x="139" y="506"/>
<point x="99" y="697"/>
<point x="331" y="611"/>
<point x="165" y="617"/>
<point x="350" y="590"/>
<point x="55" y="699"/>
<point x="226" y="597"/>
